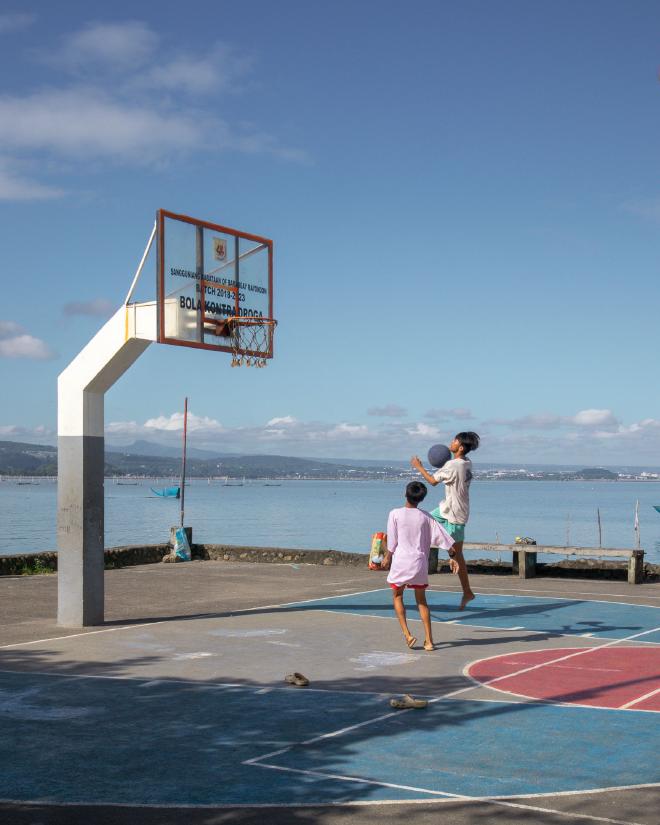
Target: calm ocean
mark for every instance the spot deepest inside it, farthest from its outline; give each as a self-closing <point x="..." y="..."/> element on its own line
<point x="340" y="515"/>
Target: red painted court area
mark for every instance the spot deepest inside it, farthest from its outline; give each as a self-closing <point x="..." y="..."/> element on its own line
<point x="606" y="677"/>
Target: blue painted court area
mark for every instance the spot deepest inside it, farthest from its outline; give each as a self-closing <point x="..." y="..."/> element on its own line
<point x="73" y="736"/>
<point x="575" y="617"/>
<point x="77" y="740"/>
<point x="477" y="748"/>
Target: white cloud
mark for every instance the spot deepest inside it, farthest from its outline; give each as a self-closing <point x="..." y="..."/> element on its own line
<point x="25" y="346"/>
<point x="348" y="431"/>
<point x="89" y="123"/>
<point x="647" y="425"/>
<point x="388" y="411"/>
<point x="284" y="421"/>
<point x="16" y="187"/>
<point x="8" y="329"/>
<point x="287" y="435"/>
<point x="97" y="306"/>
<point x="16" y="343"/>
<point x="424" y="431"/>
<point x="130" y="102"/>
<point x="17" y="429"/>
<point x="534" y="421"/>
<point x="199" y="424"/>
<point x="84" y="122"/>
<point x="14" y="21"/>
<point x="122" y="45"/>
<point x="551" y="421"/>
<point x="594" y="418"/>
<point x="123" y="428"/>
<point x="460" y="413"/>
<point x="219" y="69"/>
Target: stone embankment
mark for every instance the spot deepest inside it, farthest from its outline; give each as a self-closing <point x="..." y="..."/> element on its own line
<point x="35" y="563"/>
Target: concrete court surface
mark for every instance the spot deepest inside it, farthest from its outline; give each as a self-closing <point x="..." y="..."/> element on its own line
<point x="176" y="710"/>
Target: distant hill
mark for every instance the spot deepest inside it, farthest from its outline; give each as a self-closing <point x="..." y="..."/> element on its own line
<point x="596" y="473"/>
<point x="151" y="448"/>
<point x="17" y="458"/>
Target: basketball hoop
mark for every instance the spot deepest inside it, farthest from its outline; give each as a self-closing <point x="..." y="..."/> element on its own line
<point x="251" y="340"/>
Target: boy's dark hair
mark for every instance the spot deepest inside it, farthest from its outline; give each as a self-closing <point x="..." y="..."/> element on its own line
<point x="415" y="492"/>
<point x="468" y="441"/>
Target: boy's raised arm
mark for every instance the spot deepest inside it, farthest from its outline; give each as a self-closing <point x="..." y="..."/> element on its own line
<point x="416" y="463"/>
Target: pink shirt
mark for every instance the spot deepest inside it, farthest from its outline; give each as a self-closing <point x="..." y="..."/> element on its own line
<point x="411" y="532"/>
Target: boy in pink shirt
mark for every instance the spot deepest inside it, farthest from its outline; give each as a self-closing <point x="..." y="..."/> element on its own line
<point x="410" y="535"/>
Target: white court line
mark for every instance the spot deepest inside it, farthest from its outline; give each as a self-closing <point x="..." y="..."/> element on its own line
<point x="447" y="796"/>
<point x="641" y="699"/>
<point x="461" y="623"/>
<point x="144" y="681"/>
<point x="228" y="615"/>
<point x="77" y="635"/>
<point x="352" y="803"/>
<point x="451" y="694"/>
<point x="583" y="652"/>
<point x="535" y="699"/>
<point x="241" y="611"/>
<point x="164" y="681"/>
<point x="505" y="591"/>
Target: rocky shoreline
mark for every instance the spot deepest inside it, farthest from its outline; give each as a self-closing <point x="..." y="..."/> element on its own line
<point x="127" y="556"/>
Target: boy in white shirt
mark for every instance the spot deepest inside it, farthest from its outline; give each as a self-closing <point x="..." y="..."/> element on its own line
<point x="454" y="510"/>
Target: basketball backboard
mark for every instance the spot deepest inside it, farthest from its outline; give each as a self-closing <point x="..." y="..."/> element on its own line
<point x="208" y="275"/>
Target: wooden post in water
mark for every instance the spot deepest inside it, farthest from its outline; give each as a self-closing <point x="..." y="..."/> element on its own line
<point x="600" y="531"/>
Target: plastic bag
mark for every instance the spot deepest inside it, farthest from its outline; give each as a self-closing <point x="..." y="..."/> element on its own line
<point x="378" y="551"/>
<point x="181" y="546"/>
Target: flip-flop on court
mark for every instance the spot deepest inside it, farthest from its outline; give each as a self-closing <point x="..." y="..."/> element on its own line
<point x="526" y="696"/>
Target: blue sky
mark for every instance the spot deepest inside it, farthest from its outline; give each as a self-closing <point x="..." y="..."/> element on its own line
<point x="464" y="200"/>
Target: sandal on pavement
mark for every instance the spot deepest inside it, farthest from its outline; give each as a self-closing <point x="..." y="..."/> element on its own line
<point x="296" y="679"/>
<point x="407" y="702"/>
<point x="411" y="642"/>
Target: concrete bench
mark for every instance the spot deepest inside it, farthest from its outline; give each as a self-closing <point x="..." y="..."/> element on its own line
<point x="524" y="556"/>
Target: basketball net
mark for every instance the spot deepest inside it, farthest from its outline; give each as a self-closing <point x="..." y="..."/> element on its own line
<point x="251" y="341"/>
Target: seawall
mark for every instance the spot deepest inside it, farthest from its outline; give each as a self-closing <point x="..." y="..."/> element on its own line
<point x="127" y="556"/>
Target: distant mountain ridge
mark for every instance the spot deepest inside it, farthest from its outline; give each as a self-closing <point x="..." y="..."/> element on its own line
<point x="154" y="449"/>
<point x="17" y="458"/>
<point x="152" y="459"/>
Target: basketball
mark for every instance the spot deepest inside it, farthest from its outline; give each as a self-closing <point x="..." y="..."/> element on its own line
<point x="439" y="455"/>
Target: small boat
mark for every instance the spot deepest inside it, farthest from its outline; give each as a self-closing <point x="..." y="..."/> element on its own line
<point x="168" y="492"/>
<point x="656" y="507"/>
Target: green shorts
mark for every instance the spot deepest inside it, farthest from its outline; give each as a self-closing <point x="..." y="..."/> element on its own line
<point x="456" y="531"/>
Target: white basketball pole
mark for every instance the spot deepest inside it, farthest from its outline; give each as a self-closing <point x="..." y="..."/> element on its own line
<point x="81" y="389"/>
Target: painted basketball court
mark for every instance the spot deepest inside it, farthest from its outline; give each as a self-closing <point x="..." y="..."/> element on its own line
<point x="552" y="695"/>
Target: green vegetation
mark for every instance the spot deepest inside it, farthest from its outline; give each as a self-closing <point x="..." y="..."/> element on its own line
<point x="35" y="568"/>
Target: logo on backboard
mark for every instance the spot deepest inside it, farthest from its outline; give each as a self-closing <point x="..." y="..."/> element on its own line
<point x="219" y="249"/>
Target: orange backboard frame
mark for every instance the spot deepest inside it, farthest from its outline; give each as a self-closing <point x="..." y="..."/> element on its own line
<point x="162" y="217"/>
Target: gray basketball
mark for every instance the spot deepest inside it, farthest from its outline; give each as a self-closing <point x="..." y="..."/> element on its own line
<point x="439" y="455"/>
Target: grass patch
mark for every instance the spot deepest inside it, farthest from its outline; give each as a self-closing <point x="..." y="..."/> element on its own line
<point x="35" y="568"/>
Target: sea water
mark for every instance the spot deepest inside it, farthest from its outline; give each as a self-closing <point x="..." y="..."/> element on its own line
<point x="339" y="515"/>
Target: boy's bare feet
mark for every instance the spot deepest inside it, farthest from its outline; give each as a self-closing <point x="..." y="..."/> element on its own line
<point x="467" y="597"/>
